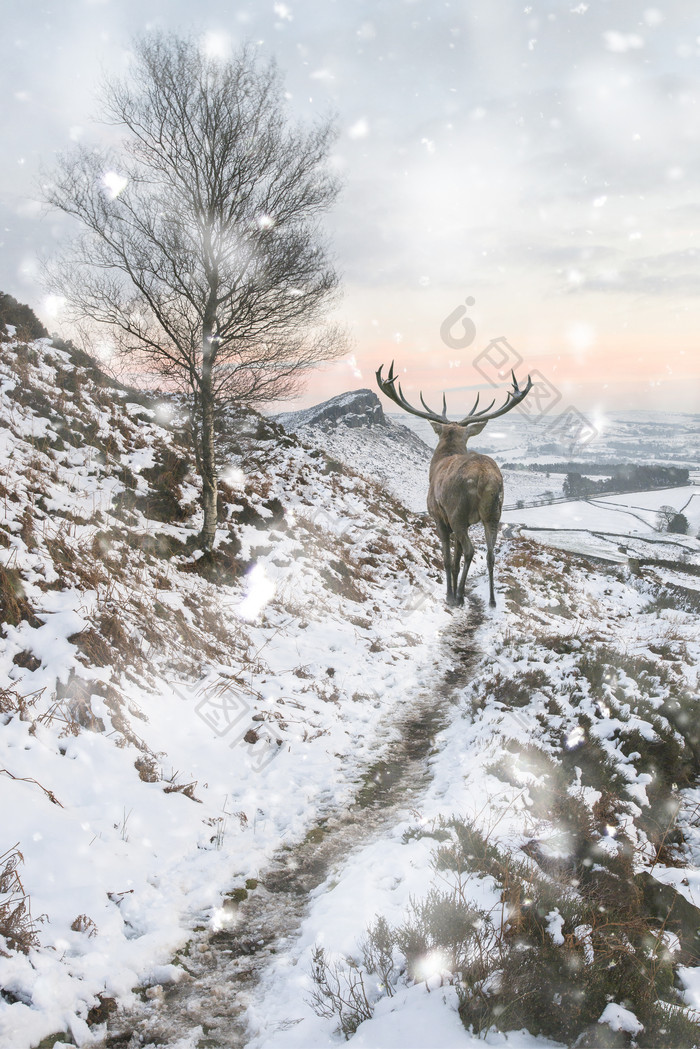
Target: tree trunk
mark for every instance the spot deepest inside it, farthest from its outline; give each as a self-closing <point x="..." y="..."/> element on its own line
<point x="208" y="453"/>
<point x="209" y="475"/>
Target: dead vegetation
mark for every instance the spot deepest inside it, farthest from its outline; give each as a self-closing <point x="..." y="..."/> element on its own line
<point x="18" y="929"/>
<point x="582" y="919"/>
<point x="14" y="606"/>
<point x="12" y="702"/>
<point x="85" y="924"/>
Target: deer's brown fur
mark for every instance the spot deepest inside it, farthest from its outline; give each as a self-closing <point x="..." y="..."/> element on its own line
<point x="465" y="488"/>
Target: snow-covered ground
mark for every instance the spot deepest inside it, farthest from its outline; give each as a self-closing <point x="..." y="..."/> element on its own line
<point x="530" y="485"/>
<point x="569" y="609"/>
<point x="172" y="723"/>
<point x="177" y="730"/>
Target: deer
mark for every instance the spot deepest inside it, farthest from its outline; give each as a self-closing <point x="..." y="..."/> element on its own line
<point x="465" y="487"/>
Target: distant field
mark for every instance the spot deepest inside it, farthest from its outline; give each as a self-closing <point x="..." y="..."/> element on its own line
<point x="620" y="548"/>
<point x="618" y="527"/>
<point x="530" y="484"/>
<point x="647" y="503"/>
<point x="630" y="513"/>
<point x="622" y="437"/>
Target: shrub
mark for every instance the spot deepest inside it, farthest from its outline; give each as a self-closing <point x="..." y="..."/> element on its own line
<point x="17" y="927"/>
<point x="165" y="478"/>
<point x="339" y="992"/>
<point x="22" y="317"/>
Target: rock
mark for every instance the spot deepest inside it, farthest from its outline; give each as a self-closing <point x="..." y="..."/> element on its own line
<point x="673" y="911"/>
<point x="353" y="409"/>
<point x="100" y="1012"/>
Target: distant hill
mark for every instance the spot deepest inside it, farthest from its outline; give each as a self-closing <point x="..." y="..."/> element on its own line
<point x="353" y="428"/>
<point x="354" y="409"/>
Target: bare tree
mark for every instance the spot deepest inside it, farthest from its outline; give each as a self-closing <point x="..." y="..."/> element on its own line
<point x="668" y="519"/>
<point x="201" y="247"/>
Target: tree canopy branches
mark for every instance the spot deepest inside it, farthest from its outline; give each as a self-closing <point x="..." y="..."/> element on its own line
<point x="201" y="244"/>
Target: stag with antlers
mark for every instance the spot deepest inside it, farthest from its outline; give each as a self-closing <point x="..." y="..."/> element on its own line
<point x="465" y="487"/>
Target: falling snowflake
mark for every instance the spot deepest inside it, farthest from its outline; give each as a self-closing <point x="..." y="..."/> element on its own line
<point x="217" y="45"/>
<point x="360" y="129"/>
<point x="352" y="363"/>
<point x="260" y="591"/>
<point x="621" y="43"/>
<point x="114" y="184"/>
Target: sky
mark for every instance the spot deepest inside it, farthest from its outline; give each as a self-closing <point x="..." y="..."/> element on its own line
<point x="527" y="170"/>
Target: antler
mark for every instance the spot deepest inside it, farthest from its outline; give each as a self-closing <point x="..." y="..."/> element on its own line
<point x="514" y="396"/>
<point x="390" y="384"/>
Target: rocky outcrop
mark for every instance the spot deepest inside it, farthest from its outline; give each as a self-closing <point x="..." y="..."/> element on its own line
<point x="358" y="408"/>
<point x="353" y="429"/>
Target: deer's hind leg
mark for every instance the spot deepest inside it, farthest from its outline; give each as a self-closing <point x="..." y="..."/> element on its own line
<point x="444" y="531"/>
<point x="490" y="531"/>
<point x="467" y="548"/>
<point x="456" y="558"/>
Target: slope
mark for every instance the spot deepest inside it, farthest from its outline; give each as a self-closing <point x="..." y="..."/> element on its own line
<point x="169" y="719"/>
<point x="354" y="428"/>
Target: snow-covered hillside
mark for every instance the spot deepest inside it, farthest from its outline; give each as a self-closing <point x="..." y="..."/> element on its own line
<point x="168" y="719"/>
<point x="238" y="787"/>
<point x="354" y="428"/>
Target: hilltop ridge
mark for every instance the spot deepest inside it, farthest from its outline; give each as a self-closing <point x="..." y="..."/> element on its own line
<point x="354" y="408"/>
<point x="354" y="428"/>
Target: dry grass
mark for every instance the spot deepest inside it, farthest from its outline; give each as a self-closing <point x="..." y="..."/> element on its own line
<point x="85" y="924"/>
<point x="13" y="702"/>
<point x="93" y="649"/>
<point x="17" y="927"/>
<point x="75" y="564"/>
<point x="14" y="606"/>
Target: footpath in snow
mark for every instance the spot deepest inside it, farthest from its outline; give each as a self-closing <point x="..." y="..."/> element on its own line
<point x="278" y="795"/>
<point x="171" y="720"/>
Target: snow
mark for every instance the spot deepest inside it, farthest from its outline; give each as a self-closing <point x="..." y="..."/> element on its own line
<point x="418" y="1018"/>
<point x="555" y="925"/>
<point x="620" y="1019"/>
<point x="318" y="648"/>
<point x="690" y="978"/>
<point x="596" y="516"/>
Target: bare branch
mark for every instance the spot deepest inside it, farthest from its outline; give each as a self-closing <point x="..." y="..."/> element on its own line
<point x="213" y="198"/>
<point x="201" y="249"/>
